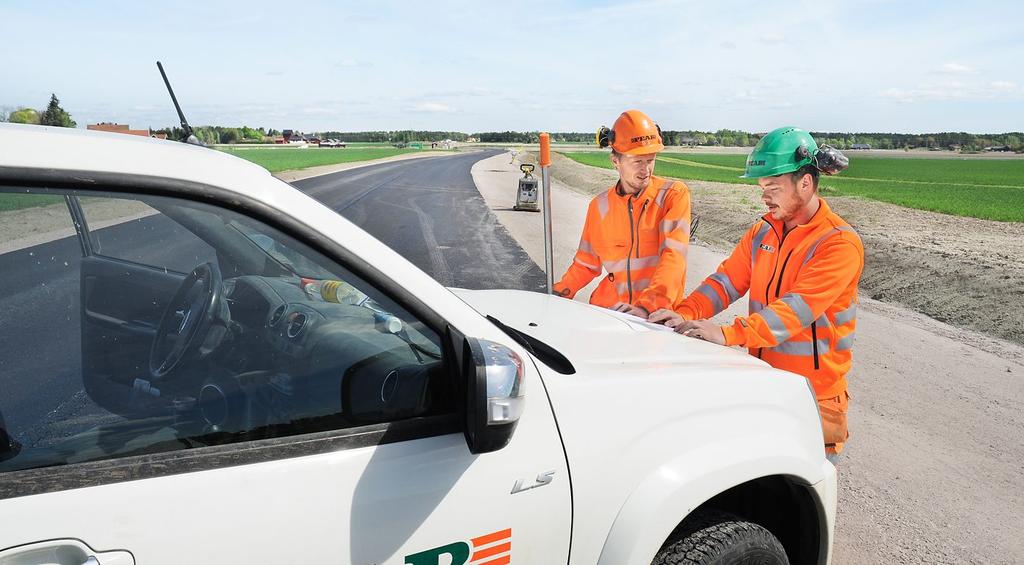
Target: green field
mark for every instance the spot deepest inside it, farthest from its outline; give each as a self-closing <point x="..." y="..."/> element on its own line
<point x="10" y="201"/>
<point x="991" y="189"/>
<point x="276" y="159"/>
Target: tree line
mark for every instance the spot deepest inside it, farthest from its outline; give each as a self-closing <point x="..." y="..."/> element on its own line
<point x="962" y="141"/>
<point x="394" y="136"/>
<point x="55" y="115"/>
<point x="246" y="134"/>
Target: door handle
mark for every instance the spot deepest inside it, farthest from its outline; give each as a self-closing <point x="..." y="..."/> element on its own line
<point x="63" y="552"/>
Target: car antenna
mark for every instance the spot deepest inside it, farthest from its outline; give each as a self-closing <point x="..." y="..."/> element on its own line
<point x="190" y="136"/>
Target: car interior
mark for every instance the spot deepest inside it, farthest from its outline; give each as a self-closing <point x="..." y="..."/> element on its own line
<point x="263" y="337"/>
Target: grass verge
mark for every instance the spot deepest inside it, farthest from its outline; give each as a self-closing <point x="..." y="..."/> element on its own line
<point x="990" y="189"/>
<point x="10" y="201"/>
<point x="276" y="159"/>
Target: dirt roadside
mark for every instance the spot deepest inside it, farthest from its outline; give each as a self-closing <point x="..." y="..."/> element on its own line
<point x="932" y="473"/>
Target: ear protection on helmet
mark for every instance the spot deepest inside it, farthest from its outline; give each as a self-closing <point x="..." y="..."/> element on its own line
<point x="830" y="160"/>
<point x="802" y="153"/>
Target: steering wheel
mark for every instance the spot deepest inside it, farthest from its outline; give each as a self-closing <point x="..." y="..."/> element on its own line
<point x="196" y="305"/>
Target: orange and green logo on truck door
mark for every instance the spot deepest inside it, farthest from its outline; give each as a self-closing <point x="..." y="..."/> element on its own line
<point x="490" y="549"/>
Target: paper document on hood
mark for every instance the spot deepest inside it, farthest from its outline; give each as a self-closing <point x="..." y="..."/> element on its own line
<point x="639" y="321"/>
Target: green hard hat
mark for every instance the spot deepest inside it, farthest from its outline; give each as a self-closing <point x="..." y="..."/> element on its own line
<point x="784" y="150"/>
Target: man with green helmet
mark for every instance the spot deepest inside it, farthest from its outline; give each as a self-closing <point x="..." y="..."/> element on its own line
<point x="800" y="263"/>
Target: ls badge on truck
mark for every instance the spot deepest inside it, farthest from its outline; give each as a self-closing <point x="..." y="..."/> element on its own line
<point x="542" y="479"/>
<point x="490" y="549"/>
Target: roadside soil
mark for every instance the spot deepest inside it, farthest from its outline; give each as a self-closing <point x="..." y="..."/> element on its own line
<point x="32" y="226"/>
<point x="963" y="271"/>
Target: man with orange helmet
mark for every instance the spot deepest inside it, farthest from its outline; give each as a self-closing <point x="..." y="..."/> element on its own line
<point x="637" y="231"/>
<point x="801" y="264"/>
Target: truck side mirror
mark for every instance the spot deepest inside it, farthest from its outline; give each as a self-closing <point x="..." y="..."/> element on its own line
<point x="494" y="394"/>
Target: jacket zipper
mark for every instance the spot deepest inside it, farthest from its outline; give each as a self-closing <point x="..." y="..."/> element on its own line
<point x="778" y="289"/>
<point x="768" y="287"/>
<point x="782" y="240"/>
<point x="629" y="275"/>
<point x="633" y="242"/>
<point x="778" y="283"/>
<point x="639" y="218"/>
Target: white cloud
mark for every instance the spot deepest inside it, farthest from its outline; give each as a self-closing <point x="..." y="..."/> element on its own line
<point x="350" y="63"/>
<point x="432" y="108"/>
<point x="954" y="68"/>
<point x="474" y="91"/>
<point x="953" y="91"/>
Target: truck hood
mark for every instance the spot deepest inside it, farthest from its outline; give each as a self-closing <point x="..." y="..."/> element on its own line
<point x="654" y="423"/>
<point x="597" y="341"/>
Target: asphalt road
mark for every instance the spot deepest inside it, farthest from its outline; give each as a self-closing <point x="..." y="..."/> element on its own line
<point x="427" y="209"/>
<point x="430" y="211"/>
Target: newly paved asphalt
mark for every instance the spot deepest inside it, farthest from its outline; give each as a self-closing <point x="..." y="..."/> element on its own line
<point x="426" y="209"/>
<point x="430" y="211"/>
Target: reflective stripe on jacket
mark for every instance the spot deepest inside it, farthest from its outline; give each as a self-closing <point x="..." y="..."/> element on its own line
<point x="640" y="241"/>
<point x="803" y="297"/>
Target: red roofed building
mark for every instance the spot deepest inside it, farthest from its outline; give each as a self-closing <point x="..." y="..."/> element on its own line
<point x="124" y="128"/>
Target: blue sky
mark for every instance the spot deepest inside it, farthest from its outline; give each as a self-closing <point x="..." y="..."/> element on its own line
<point x="903" y="66"/>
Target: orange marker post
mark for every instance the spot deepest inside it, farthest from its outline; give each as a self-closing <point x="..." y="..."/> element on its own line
<point x="545" y="149"/>
<point x="545" y="176"/>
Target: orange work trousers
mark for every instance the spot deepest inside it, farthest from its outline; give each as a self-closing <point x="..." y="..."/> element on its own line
<point x="833" y="422"/>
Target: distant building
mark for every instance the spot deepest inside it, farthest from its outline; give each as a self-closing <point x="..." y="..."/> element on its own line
<point x="1001" y="148"/>
<point x="124" y="128"/>
<point x="861" y="146"/>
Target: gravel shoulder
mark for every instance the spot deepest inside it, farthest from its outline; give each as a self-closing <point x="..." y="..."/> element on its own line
<point x="932" y="472"/>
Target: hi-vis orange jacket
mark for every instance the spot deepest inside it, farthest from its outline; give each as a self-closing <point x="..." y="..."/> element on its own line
<point x="803" y="297"/>
<point x="641" y="241"/>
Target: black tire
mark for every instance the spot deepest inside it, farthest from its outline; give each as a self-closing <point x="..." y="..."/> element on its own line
<point x="717" y="538"/>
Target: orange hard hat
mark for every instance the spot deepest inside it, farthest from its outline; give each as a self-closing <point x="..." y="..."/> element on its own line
<point x="633" y="134"/>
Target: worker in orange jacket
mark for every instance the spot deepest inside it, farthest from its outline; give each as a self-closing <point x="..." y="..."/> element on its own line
<point x="801" y="264"/>
<point x="637" y="231"/>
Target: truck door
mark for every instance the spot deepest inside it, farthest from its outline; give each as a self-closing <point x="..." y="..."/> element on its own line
<point x="189" y="407"/>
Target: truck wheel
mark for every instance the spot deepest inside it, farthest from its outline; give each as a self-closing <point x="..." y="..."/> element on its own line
<point x="717" y="538"/>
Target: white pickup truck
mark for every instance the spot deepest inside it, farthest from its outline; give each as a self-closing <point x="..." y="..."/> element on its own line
<point x="203" y="365"/>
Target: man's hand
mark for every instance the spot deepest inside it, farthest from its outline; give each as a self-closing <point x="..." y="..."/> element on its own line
<point x="702" y="329"/>
<point x="627" y="308"/>
<point x="667" y="317"/>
